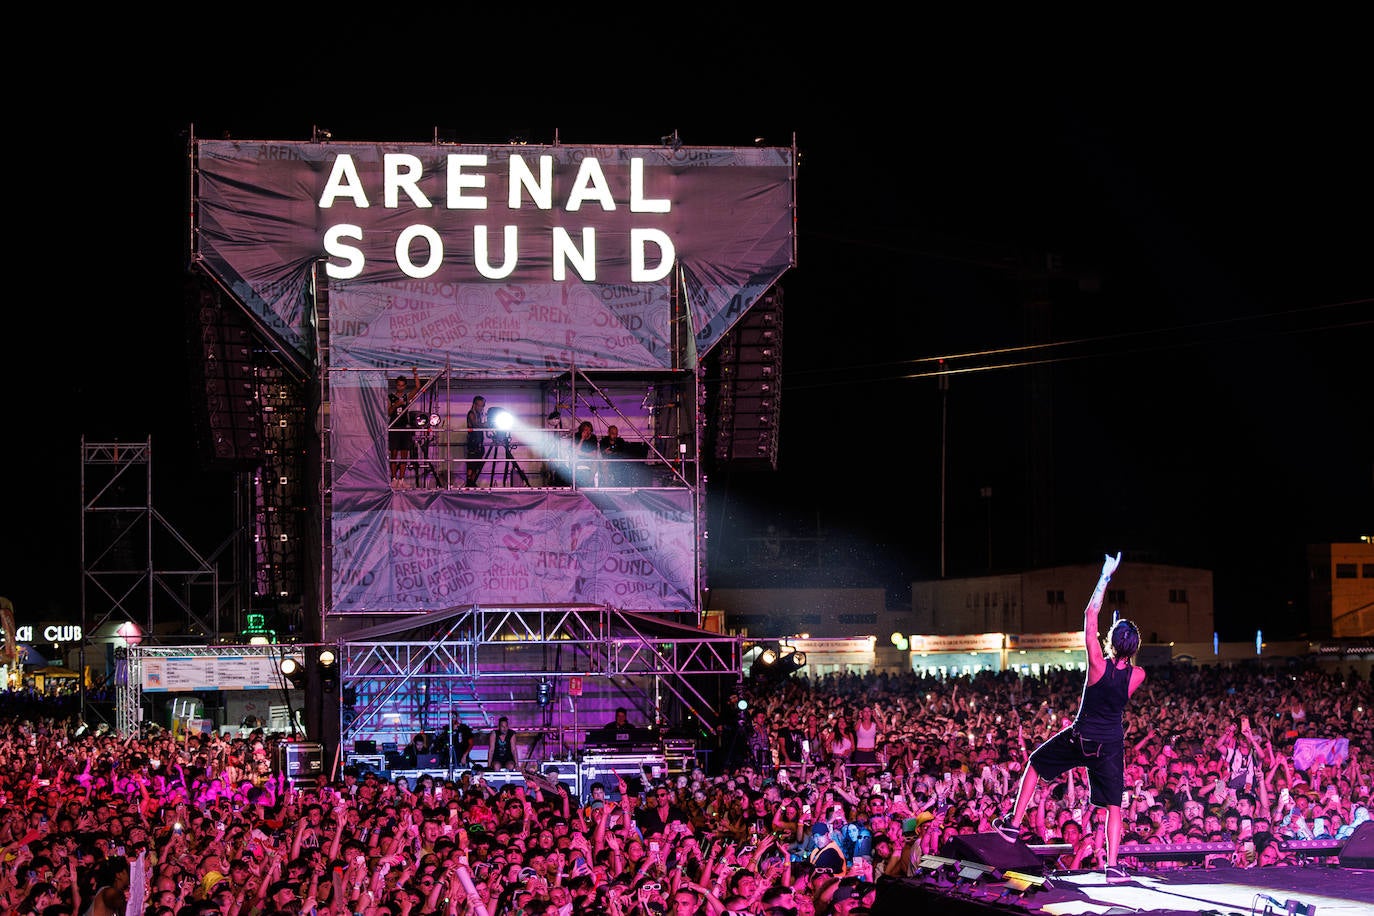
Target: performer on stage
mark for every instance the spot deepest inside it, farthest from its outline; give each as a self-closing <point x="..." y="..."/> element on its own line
<point x="1096" y="739"/>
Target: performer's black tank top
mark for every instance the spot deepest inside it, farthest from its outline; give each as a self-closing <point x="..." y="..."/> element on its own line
<point x="1099" y="714"/>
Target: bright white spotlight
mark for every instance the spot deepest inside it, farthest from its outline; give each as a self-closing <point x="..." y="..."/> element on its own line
<point x="502" y="420"/>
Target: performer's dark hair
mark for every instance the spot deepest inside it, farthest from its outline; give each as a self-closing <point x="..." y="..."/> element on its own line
<point x="1124" y="639"/>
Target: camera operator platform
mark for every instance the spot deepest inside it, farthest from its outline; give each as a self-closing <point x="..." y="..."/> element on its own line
<point x="426" y="427"/>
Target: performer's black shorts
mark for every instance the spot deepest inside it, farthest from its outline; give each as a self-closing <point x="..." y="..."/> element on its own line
<point x="1105" y="761"/>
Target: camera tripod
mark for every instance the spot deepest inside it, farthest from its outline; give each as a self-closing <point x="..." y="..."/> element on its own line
<point x="509" y="464"/>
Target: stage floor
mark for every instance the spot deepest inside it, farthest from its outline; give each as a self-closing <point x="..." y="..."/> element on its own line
<point x="1332" y="890"/>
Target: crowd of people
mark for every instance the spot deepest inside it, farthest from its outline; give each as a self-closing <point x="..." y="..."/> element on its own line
<point x="836" y="783"/>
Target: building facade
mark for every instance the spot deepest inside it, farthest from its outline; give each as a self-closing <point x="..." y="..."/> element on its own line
<point x="1172" y="603"/>
<point x="1340" y="590"/>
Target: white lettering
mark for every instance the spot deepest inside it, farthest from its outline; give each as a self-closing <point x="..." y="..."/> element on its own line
<point x="638" y="239"/>
<point x="51" y="633"/>
<point x="401" y="172"/>
<point x="344" y="182"/>
<point x="352" y="257"/>
<point x="458" y="181"/>
<point x="482" y="259"/>
<point x="541" y="191"/>
<point x="638" y="202"/>
<point x="564" y="250"/>
<point x="590" y="185"/>
<point x="436" y="251"/>
<point x="530" y="184"/>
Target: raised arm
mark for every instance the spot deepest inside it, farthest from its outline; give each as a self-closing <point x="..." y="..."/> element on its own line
<point x="1092" y="641"/>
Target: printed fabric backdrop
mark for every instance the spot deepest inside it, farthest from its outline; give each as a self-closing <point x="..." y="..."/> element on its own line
<point x="429" y="550"/>
<point x="262" y="226"/>
<point x="488" y="260"/>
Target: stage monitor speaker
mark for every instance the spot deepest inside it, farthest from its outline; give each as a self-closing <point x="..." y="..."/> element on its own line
<point x="1358" y="851"/>
<point x="991" y="849"/>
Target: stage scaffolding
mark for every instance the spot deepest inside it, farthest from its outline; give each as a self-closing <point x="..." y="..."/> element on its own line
<point x="475" y="664"/>
<point x="130" y="693"/>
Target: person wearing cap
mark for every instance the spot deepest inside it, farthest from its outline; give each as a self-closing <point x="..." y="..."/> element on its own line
<point x="852" y="893"/>
<point x="826" y="852"/>
<point x="280" y="895"/>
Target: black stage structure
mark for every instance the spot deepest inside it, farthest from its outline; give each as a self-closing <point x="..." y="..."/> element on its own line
<point x="982" y="874"/>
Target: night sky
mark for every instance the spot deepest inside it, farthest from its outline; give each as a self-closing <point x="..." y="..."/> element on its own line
<point x="1200" y="343"/>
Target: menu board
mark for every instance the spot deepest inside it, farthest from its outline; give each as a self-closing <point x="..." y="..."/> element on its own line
<point x="210" y="672"/>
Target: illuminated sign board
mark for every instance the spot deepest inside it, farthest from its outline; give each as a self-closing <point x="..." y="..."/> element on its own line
<point x="419" y="248"/>
<point x="974" y="642"/>
<point x="210" y="672"/>
<point x="48" y="633"/>
<point x="854" y="645"/>
<point x="1069" y="640"/>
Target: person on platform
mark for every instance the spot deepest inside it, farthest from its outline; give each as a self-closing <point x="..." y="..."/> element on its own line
<point x="1096" y="739"/>
<point x="501" y="748"/>
<point x="462" y="744"/>
<point x="477" y="439"/>
<point x="399" y="438"/>
<point x="612" y="447"/>
<point x="417" y="747"/>
<point x="586" y="454"/>
<point x="559" y="439"/>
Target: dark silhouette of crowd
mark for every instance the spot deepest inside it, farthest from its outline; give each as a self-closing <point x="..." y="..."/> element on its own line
<point x="828" y="786"/>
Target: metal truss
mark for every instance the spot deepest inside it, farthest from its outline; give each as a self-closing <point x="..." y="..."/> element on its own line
<point x="471" y="661"/>
<point x="476" y="663"/>
<point x="129" y="692"/>
<point x="133" y="561"/>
